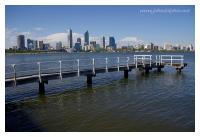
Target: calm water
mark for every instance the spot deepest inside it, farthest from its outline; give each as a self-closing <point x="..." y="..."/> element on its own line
<point x="155" y="102"/>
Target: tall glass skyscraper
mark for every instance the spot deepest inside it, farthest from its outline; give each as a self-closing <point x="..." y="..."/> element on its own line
<point x="104" y="42"/>
<point x="86" y="38"/>
<point x="70" y="39"/>
<point x="112" y="42"/>
<point x="21" y="42"/>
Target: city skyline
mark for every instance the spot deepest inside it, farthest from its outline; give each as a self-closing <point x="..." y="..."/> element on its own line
<point x="125" y="23"/>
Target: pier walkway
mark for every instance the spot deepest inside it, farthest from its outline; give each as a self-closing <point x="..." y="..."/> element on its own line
<point x="42" y="72"/>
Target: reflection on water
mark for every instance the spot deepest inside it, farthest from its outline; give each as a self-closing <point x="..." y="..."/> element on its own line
<point x="154" y="102"/>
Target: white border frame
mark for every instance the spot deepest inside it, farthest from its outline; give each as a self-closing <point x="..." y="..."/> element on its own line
<point x="102" y="2"/>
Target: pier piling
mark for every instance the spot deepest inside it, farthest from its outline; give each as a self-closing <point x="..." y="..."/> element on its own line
<point x="159" y="67"/>
<point x="42" y="87"/>
<point x="89" y="79"/>
<point x="126" y="73"/>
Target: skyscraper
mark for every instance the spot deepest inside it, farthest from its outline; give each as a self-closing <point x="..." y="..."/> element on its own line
<point x="35" y="44"/>
<point x="112" y="42"/>
<point x="41" y="47"/>
<point x="21" y="42"/>
<point x="70" y="39"/>
<point x="86" y="38"/>
<point x="104" y="42"/>
<point x="29" y="44"/>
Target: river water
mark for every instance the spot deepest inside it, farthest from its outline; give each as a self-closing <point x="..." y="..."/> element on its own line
<point x="162" y="101"/>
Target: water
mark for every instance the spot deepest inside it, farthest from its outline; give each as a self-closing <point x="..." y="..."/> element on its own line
<point x="155" y="102"/>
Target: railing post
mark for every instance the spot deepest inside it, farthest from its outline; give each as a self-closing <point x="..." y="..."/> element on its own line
<point x="106" y="64"/>
<point x="136" y="62"/>
<point x="156" y="60"/>
<point x="39" y="72"/>
<point x="78" y="68"/>
<point x="117" y="63"/>
<point x="60" y="62"/>
<point x="143" y="60"/>
<point x="127" y="63"/>
<point x="160" y="59"/>
<point x="14" y="77"/>
<point x="150" y="60"/>
<point x="93" y="66"/>
<point x="171" y="60"/>
<point x="182" y="60"/>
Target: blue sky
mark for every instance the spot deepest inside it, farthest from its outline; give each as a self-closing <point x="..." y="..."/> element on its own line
<point x="118" y="21"/>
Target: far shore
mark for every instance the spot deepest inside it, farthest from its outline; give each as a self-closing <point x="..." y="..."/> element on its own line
<point x="55" y="52"/>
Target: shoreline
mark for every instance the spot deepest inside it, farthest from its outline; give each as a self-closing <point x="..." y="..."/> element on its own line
<point x="56" y="52"/>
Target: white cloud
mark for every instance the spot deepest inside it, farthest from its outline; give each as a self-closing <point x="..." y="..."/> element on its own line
<point x="129" y="41"/>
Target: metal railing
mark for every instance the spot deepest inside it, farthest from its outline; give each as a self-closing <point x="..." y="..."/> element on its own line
<point x="78" y="65"/>
<point x="169" y="59"/>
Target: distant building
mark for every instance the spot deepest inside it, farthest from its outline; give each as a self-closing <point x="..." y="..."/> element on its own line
<point x="175" y="48"/>
<point x="87" y="48"/>
<point x="31" y="44"/>
<point x="147" y="47"/>
<point x="93" y="43"/>
<point x="155" y="48"/>
<point x="35" y="43"/>
<point x="21" y="42"/>
<point x="151" y="46"/>
<point x="167" y="46"/>
<point x="112" y="43"/>
<point x="104" y="42"/>
<point x="86" y="38"/>
<point x="70" y="38"/>
<point x="79" y="40"/>
<point x="183" y="48"/>
<point x="77" y="46"/>
<point x="191" y="48"/>
<point x="140" y="46"/>
<point x="46" y="46"/>
<point x="41" y="46"/>
<point x="109" y="48"/>
<point x="59" y="45"/>
<point x="178" y="46"/>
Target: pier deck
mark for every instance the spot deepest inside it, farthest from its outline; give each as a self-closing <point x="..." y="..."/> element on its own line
<point x="42" y="72"/>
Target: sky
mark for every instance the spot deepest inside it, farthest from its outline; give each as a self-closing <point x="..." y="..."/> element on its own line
<point x="157" y="24"/>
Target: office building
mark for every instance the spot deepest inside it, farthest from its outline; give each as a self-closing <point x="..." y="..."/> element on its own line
<point x="112" y="43"/>
<point x="104" y="42"/>
<point x="79" y="40"/>
<point x="21" y="42"/>
<point x="167" y="46"/>
<point x="86" y="38"/>
<point x="31" y="44"/>
<point x="41" y="47"/>
<point x="77" y="46"/>
<point x="59" y="45"/>
<point x="70" y="39"/>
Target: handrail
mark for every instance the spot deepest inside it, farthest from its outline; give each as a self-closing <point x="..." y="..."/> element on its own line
<point x="94" y="63"/>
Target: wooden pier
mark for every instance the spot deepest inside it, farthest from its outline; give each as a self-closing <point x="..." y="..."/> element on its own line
<point x="42" y="72"/>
